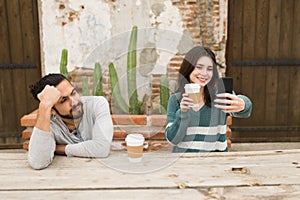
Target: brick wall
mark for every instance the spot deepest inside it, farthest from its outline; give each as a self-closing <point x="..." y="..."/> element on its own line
<point x="203" y="20"/>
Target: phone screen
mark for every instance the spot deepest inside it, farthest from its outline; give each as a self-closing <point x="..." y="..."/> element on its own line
<point x="225" y="85"/>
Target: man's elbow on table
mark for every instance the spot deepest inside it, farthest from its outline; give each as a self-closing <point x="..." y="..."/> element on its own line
<point x="39" y="163"/>
<point x="88" y="149"/>
<point x="103" y="154"/>
<point x="105" y="150"/>
<point x="40" y="152"/>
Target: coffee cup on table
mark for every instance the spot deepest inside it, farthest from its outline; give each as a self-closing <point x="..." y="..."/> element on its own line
<point x="135" y="145"/>
<point x="193" y="91"/>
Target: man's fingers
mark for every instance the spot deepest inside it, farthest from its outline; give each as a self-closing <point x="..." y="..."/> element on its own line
<point x="49" y="95"/>
<point x="39" y="96"/>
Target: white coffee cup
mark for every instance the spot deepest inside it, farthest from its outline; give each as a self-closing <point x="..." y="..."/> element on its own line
<point x="135" y="145"/>
<point x="193" y="91"/>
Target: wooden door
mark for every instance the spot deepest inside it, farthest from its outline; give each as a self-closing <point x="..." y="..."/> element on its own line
<point x="263" y="57"/>
<point x="19" y="66"/>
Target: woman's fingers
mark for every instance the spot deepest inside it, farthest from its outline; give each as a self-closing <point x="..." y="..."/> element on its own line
<point x="229" y="103"/>
<point x="186" y="103"/>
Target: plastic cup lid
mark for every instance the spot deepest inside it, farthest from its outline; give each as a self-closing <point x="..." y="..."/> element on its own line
<point x="192" y="87"/>
<point x="135" y="139"/>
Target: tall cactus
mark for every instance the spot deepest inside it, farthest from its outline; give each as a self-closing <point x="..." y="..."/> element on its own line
<point x="63" y="64"/>
<point x="97" y="84"/>
<point x="131" y="73"/>
<point x="85" y="86"/>
<point x="115" y="88"/>
<point x="164" y="93"/>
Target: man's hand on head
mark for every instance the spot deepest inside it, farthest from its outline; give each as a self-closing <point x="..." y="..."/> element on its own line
<point x="49" y="96"/>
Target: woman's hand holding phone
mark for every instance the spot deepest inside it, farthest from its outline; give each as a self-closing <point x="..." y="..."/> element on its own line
<point x="229" y="103"/>
<point x="226" y="101"/>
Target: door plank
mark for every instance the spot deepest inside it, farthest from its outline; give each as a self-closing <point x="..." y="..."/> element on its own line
<point x="4" y="57"/>
<point x="260" y="53"/>
<point x="31" y="49"/>
<point x="235" y="40"/>
<point x="282" y="113"/>
<point x="19" y="36"/>
<point x="7" y="95"/>
<point x="273" y="54"/>
<point x="294" y="100"/>
<point x="248" y="52"/>
<point x="235" y="26"/>
<point x="16" y="48"/>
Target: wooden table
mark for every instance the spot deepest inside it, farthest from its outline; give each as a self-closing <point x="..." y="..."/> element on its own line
<point x="160" y="175"/>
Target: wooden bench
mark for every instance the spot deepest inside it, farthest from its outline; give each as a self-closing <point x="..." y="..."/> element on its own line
<point x="152" y="127"/>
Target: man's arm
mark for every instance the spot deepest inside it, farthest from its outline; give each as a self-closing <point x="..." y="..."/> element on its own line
<point x="43" y="118"/>
<point x="60" y="149"/>
<point x="42" y="142"/>
<point x="48" y="98"/>
<point x="41" y="149"/>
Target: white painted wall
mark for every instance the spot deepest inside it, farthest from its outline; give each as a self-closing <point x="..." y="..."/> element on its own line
<point x="80" y="34"/>
<point x="99" y="31"/>
<point x="97" y="24"/>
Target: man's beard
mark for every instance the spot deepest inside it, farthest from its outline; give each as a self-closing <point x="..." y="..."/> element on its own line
<point x="71" y="116"/>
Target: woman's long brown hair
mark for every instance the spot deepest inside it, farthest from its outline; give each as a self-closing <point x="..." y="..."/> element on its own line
<point x="188" y="65"/>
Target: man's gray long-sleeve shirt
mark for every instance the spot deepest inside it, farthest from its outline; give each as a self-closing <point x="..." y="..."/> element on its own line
<point x="92" y="138"/>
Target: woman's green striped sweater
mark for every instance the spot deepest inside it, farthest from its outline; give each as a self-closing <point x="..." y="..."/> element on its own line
<point x="199" y="131"/>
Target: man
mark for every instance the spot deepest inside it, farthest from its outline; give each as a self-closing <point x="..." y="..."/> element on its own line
<point x="68" y="124"/>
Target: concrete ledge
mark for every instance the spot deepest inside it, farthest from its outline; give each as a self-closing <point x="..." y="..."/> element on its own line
<point x="265" y="146"/>
<point x="30" y="119"/>
<point x="152" y="127"/>
<point x="129" y="119"/>
<point x="158" y="120"/>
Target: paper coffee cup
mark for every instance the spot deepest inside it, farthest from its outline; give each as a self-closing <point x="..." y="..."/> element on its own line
<point x="193" y="91"/>
<point x="135" y="145"/>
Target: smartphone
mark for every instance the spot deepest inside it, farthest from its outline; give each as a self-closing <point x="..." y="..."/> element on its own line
<point x="225" y="85"/>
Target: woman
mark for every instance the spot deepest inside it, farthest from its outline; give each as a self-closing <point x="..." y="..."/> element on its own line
<point x="201" y="128"/>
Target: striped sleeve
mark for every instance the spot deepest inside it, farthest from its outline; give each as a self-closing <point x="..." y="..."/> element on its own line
<point x="248" y="108"/>
<point x="177" y="122"/>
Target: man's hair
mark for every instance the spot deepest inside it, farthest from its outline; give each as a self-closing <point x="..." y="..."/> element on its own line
<point x="50" y="79"/>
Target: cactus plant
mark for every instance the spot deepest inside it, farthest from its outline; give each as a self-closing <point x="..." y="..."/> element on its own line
<point x="85" y="86"/>
<point x="63" y="64"/>
<point x="164" y="93"/>
<point x="134" y="107"/>
<point x="97" y="83"/>
<point x="115" y="88"/>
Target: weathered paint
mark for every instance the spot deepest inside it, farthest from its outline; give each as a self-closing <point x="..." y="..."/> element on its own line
<point x="99" y="31"/>
<point x="82" y="26"/>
